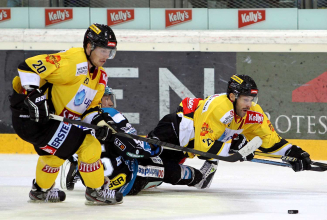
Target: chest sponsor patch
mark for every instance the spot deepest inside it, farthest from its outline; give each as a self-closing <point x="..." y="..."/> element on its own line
<point x="253" y="117"/>
<point x="118" y="181"/>
<point x="81" y="69"/>
<point x="60" y="136"/>
<point x="151" y="171"/>
<point x="82" y="99"/>
<point x="228" y="117"/>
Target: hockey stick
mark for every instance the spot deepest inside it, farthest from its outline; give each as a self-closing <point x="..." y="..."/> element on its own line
<point x="254" y="144"/>
<point x="289" y="159"/>
<point x="276" y="163"/>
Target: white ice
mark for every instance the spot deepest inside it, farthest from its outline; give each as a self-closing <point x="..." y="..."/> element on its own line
<point x="241" y="190"/>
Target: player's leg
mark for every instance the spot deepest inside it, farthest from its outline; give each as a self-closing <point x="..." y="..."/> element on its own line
<point x="47" y="169"/>
<point x="91" y="171"/>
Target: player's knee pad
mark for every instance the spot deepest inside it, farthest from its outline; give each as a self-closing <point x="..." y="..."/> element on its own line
<point x="47" y="170"/>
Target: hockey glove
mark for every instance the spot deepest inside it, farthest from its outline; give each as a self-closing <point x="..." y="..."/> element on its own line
<point x="104" y="133"/>
<point x="155" y="150"/>
<point x="303" y="159"/>
<point x="208" y="170"/>
<point x="238" y="142"/>
<point x="37" y="106"/>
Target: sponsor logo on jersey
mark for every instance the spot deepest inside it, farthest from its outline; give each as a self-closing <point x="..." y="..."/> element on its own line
<point x="79" y="98"/>
<point x="119" y="144"/>
<point x="151" y="171"/>
<point x="118" y="16"/>
<point x="209" y="100"/>
<point x="49" y="149"/>
<point x="156" y="160"/>
<point x="228" y="117"/>
<point x="89" y="167"/>
<point x="253" y="118"/>
<point x="53" y="59"/>
<point x="5" y="14"/>
<point x="248" y="17"/>
<point x="177" y="16"/>
<point x="54" y="16"/>
<point x="60" y="136"/>
<point x="69" y="114"/>
<point x="48" y="169"/>
<point x="205" y="129"/>
<point x="81" y="69"/>
<point x="118" y="181"/>
<point x="228" y="134"/>
<point x="103" y="78"/>
<point x="134" y="155"/>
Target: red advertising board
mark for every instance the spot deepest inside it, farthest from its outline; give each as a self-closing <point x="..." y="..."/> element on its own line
<point x="57" y="15"/>
<point x="248" y="17"/>
<point x="177" y="16"/>
<point x="5" y="14"/>
<point x="118" y="16"/>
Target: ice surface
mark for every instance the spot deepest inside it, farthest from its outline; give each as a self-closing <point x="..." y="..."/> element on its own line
<point x="239" y="191"/>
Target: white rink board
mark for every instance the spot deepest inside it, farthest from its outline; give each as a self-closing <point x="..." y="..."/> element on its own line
<point x="246" y="191"/>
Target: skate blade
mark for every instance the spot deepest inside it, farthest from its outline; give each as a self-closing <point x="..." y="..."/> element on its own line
<point x="41" y="201"/>
<point x="95" y="203"/>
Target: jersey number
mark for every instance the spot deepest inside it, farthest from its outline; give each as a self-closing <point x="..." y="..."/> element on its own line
<point x="40" y="68"/>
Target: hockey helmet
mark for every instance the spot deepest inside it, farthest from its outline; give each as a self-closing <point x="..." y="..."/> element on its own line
<point x="109" y="92"/>
<point x="242" y="85"/>
<point x="101" y="35"/>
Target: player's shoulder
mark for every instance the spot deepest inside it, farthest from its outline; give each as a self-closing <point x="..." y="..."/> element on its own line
<point x="217" y="102"/>
<point x="114" y="114"/>
<point x="256" y="108"/>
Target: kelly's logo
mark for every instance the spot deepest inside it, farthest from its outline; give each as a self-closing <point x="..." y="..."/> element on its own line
<point x="247" y="17"/>
<point x="5" y="14"/>
<point x="118" y="16"/>
<point x="254" y="118"/>
<point x="54" y="16"/>
<point x="177" y="16"/>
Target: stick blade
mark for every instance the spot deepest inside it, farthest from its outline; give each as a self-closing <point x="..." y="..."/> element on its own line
<point x="250" y="147"/>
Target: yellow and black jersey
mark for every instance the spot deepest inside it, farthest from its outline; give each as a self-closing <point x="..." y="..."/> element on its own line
<point x="74" y="89"/>
<point x="215" y="122"/>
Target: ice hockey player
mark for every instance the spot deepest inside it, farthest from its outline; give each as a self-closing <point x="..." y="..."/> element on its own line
<point x="70" y="84"/>
<point x="209" y="125"/>
<point x="132" y="165"/>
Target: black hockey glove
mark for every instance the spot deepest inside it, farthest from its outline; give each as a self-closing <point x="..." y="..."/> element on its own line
<point x="303" y="159"/>
<point x="238" y="142"/>
<point x="104" y="133"/>
<point x="37" y="106"/>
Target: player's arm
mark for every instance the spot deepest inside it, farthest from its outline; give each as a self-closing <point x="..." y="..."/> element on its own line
<point x="274" y="144"/>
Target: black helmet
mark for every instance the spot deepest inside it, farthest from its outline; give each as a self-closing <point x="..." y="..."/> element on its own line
<point x="242" y="85"/>
<point x="101" y="35"/>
